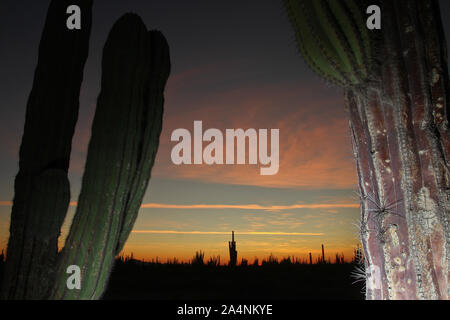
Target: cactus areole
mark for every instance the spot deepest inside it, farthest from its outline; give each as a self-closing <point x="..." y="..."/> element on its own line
<point x="399" y="115"/>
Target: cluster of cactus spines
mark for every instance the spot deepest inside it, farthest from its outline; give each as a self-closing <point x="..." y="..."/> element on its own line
<point x="41" y="187"/>
<point x="333" y="39"/>
<point x="125" y="136"/>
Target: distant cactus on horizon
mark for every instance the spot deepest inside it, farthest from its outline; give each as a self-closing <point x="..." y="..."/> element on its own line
<point x="232" y="249"/>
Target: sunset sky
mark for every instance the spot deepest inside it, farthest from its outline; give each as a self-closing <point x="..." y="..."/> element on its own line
<point x="234" y="65"/>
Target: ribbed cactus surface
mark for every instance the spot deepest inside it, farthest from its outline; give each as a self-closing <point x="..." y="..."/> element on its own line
<point x="41" y="188"/>
<point x="124" y="141"/>
<point x="399" y="127"/>
<point x="333" y="39"/>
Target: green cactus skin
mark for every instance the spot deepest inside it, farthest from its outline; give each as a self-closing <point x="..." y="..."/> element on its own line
<point x="333" y="39"/>
<point x="160" y="69"/>
<point x="124" y="142"/>
<point x="41" y="186"/>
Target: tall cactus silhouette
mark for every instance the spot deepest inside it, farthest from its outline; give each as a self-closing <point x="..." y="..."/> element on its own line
<point x="41" y="190"/>
<point x="121" y="154"/>
<point x="399" y="115"/>
<point x="233" y="251"/>
<point x="125" y="136"/>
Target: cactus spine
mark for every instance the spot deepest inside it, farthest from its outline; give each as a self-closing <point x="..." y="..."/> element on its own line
<point x="399" y="116"/>
<point x="125" y="136"/>
<point x="41" y="187"/>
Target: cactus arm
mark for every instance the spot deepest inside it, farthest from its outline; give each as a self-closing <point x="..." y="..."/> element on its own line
<point x="109" y="161"/>
<point x="333" y="39"/>
<point x="160" y="69"/>
<point x="41" y="188"/>
<point x="346" y="24"/>
<point x="348" y="31"/>
<point x="337" y="42"/>
<point x="308" y="48"/>
<point x="317" y="37"/>
<point x="355" y="13"/>
<point x="125" y="133"/>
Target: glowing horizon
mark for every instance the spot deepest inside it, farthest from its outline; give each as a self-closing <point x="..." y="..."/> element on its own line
<point x="231" y="206"/>
<point x="265" y="233"/>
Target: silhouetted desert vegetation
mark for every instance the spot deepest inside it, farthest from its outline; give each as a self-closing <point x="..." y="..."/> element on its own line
<point x="200" y="278"/>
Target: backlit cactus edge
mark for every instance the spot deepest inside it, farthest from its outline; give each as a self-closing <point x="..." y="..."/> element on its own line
<point x="121" y="154"/>
<point x="399" y="116"/>
<point x="333" y="39"/>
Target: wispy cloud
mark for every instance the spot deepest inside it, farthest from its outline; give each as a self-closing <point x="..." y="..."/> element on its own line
<point x="252" y="233"/>
<point x="233" y="206"/>
<point x="251" y="206"/>
<point x="315" y="150"/>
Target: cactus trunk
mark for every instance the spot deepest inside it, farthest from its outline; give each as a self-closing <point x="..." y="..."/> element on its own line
<point x="401" y="144"/>
<point x="41" y="187"/>
<point x="121" y="154"/>
<point x="399" y="116"/>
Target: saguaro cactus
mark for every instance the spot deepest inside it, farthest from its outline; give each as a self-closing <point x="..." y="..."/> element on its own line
<point x="122" y="150"/>
<point x="398" y="113"/>
<point x="232" y="249"/>
<point x="41" y="187"/>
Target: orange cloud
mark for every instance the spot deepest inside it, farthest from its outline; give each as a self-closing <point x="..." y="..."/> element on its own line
<point x="315" y="149"/>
